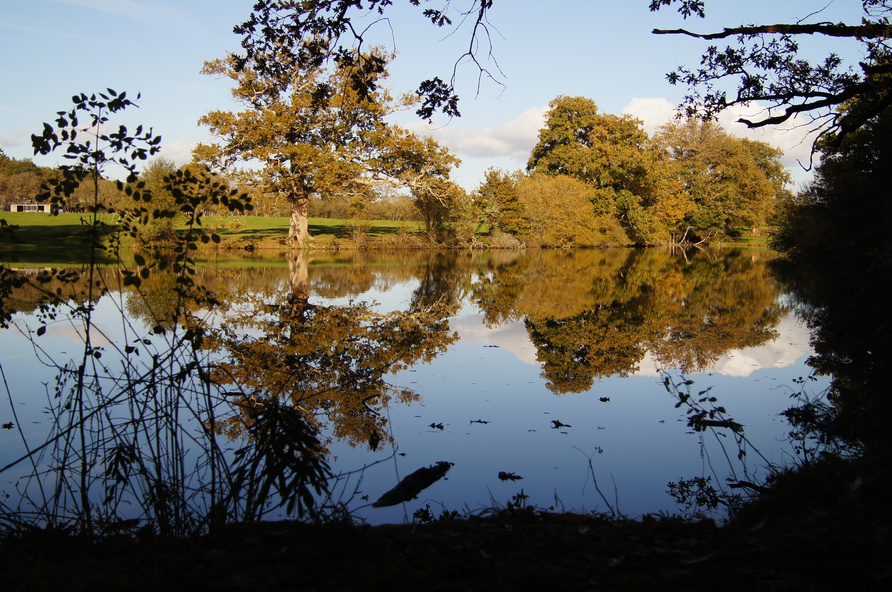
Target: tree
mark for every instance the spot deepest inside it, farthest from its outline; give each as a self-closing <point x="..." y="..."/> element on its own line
<point x="560" y="213"/>
<point x="729" y="181"/>
<point x="601" y="150"/>
<point x="845" y="213"/>
<point x="439" y="204"/>
<point x="499" y="203"/>
<point x="19" y="180"/>
<point x="768" y="66"/>
<point x="609" y="154"/>
<point x="315" y="133"/>
<point x="153" y="176"/>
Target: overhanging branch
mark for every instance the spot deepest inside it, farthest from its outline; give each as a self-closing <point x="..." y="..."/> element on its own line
<point x="865" y="31"/>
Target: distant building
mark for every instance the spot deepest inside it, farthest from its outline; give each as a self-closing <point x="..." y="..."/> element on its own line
<point x="29" y="207"/>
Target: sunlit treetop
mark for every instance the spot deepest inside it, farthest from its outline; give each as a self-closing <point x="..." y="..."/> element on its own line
<point x="282" y="35"/>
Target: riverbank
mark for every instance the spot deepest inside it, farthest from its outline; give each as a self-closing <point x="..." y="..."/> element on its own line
<point x="40" y="237"/>
<point x="826" y="527"/>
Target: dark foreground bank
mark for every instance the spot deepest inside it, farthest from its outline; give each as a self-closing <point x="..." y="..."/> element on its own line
<point x="824" y="528"/>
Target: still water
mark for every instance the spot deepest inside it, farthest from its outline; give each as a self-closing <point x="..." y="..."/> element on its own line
<point x="539" y="375"/>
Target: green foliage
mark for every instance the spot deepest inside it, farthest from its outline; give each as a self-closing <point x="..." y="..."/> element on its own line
<point x="439" y="203"/>
<point x="19" y="180"/>
<point x="160" y="228"/>
<point x="692" y="176"/>
<point x="498" y="201"/>
<point x="601" y="150"/>
<point x="609" y="154"/>
<point x="845" y="212"/>
<point x="728" y="181"/>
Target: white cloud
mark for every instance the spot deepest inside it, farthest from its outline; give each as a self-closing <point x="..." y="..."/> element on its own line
<point x="14" y="139"/>
<point x="511" y="337"/>
<point x="179" y="151"/>
<point x="791" y="345"/>
<point x="653" y="112"/>
<point x="513" y="139"/>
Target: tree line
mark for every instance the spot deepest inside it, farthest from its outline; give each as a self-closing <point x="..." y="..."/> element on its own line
<point x="314" y="118"/>
<point x="596" y="179"/>
<point x="759" y="63"/>
<point x="593" y="179"/>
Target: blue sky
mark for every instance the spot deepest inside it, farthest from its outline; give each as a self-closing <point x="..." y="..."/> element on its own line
<point x="601" y="49"/>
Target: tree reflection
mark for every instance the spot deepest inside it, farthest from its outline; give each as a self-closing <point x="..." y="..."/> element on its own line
<point x="593" y="314"/>
<point x="328" y="361"/>
<point x="606" y="340"/>
<point x="848" y="312"/>
<point x="710" y="306"/>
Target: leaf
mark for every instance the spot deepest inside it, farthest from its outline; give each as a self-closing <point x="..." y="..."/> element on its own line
<point x="132" y="280"/>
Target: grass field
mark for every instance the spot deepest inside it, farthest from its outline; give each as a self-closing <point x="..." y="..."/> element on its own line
<point x="41" y="237"/>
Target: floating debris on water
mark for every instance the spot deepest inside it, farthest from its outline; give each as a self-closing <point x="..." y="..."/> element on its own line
<point x="412" y="485"/>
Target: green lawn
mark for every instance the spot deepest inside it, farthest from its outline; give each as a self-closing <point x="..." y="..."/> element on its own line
<point x="42" y="237"/>
<point x="63" y="238"/>
<point x="262" y="227"/>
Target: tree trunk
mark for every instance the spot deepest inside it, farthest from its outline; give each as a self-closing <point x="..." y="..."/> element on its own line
<point x="298" y="272"/>
<point x="298" y="231"/>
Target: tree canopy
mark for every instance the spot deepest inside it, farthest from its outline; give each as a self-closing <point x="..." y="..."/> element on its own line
<point x="692" y="179"/>
<point x="314" y="132"/>
<point x="728" y="181"/>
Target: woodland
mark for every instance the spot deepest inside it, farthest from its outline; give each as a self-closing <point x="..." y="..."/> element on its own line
<point x="313" y="121"/>
<point x="593" y="180"/>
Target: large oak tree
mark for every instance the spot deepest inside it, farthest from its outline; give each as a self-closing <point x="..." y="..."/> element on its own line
<point x="312" y="131"/>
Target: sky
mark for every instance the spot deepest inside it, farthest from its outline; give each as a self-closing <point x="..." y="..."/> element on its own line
<point x="600" y="49"/>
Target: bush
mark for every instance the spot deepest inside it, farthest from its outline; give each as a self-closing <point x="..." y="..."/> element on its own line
<point x="560" y="214"/>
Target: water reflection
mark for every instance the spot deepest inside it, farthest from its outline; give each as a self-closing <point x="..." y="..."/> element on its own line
<point x="593" y="314"/>
<point x="377" y="353"/>
<point x="327" y="360"/>
<point x="846" y="306"/>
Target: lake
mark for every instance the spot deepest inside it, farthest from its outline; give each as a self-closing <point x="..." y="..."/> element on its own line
<point x="540" y="375"/>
